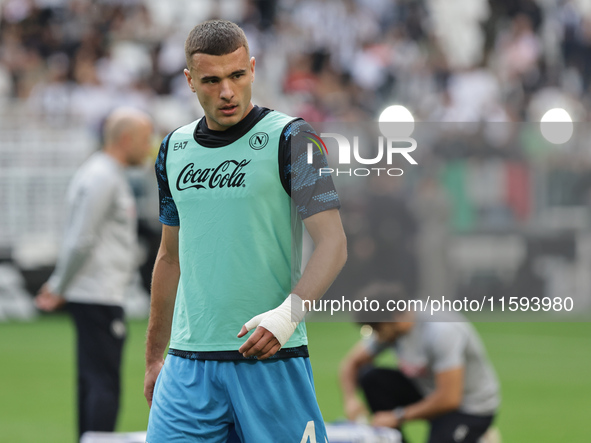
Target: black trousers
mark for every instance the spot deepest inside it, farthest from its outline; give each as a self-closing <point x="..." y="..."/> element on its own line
<point x="100" y="336"/>
<point x="386" y="389"/>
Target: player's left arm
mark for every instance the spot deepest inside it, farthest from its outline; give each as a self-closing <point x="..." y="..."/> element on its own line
<point x="447" y="397"/>
<point x="327" y="260"/>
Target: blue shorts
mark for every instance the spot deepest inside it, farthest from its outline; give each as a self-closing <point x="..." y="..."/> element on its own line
<point x="246" y="401"/>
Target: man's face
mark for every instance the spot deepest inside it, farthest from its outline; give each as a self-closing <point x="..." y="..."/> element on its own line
<point x="389" y="332"/>
<point x="223" y="84"/>
<point x="139" y="143"/>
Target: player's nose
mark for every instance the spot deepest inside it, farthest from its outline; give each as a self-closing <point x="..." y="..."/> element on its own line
<point x="226" y="91"/>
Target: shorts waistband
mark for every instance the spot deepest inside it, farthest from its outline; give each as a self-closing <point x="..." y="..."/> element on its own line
<point x="300" y="351"/>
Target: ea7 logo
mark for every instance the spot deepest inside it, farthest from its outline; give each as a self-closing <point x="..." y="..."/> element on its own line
<point x="388" y="146"/>
<point x="180" y="145"/>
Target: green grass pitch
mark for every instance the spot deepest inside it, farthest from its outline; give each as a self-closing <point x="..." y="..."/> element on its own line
<point x="544" y="368"/>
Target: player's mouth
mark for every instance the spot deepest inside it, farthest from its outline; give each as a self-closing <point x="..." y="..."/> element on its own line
<point x="228" y="109"/>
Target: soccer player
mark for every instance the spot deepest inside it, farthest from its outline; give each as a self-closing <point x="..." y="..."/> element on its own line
<point x="96" y="264"/>
<point x="234" y="188"/>
<point x="443" y="373"/>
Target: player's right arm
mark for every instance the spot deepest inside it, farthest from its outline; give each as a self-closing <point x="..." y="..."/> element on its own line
<point x="358" y="357"/>
<point x="165" y="280"/>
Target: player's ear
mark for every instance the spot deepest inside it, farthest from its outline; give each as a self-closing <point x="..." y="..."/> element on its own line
<point x="252" y="64"/>
<point x="189" y="79"/>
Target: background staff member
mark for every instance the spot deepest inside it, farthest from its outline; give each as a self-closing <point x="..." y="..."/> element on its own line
<point x="96" y="264"/>
<point x="443" y="374"/>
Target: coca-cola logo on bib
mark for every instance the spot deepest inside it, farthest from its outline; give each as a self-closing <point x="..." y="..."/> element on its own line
<point x="227" y="175"/>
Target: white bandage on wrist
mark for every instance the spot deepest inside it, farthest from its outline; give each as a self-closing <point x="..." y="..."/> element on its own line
<point x="281" y="321"/>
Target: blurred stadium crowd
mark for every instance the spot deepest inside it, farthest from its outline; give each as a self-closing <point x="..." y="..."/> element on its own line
<point x="466" y="60"/>
<point x="503" y="63"/>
